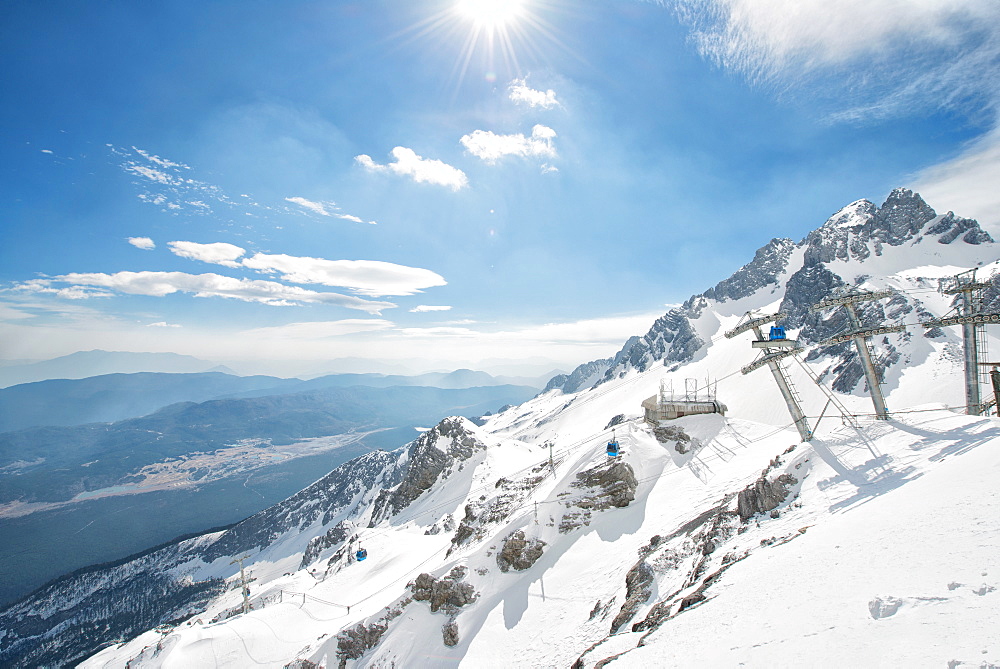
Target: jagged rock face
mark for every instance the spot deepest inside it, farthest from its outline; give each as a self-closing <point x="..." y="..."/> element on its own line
<point x="951" y="227"/>
<point x="519" y="553"/>
<point x="861" y="229"/>
<point x="854" y="233"/>
<point x="671" y="339"/>
<point x="355" y="641"/>
<point x="582" y="377"/>
<point x="448" y="594"/>
<point x="763" y="495"/>
<point x="638" y="588"/>
<point x="509" y="494"/>
<point x="120" y="600"/>
<point x="64" y="621"/>
<point x="335" y="535"/>
<point x="806" y="287"/>
<point x="767" y="265"/>
<point x="451" y="441"/>
<point x="333" y="492"/>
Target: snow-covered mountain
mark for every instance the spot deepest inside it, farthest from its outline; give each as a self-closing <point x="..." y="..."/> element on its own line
<point x="711" y="541"/>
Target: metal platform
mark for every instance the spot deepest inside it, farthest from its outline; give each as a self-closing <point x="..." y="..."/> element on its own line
<point x="775" y="343"/>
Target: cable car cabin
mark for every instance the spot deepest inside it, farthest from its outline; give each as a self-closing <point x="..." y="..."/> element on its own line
<point x="776" y="338"/>
<point x="613" y="450"/>
<point x="361" y="554"/>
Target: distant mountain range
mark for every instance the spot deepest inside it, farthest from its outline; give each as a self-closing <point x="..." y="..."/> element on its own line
<point x="113" y="397"/>
<point x="83" y="364"/>
<point x="196" y="464"/>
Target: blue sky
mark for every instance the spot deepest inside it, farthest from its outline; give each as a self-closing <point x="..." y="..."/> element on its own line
<point x="446" y="184"/>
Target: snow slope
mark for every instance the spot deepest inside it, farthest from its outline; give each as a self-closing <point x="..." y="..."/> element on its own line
<point x="888" y="537"/>
<point x="717" y="541"/>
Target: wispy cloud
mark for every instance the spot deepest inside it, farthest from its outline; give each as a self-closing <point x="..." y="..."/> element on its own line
<point x="422" y="308"/>
<point x="871" y="58"/>
<point x="162" y="324"/>
<point x="491" y="147"/>
<point x="856" y="60"/>
<point x="218" y="253"/>
<point x="144" y="243"/>
<point x="160" y="284"/>
<point x="166" y="183"/>
<point x="373" y="278"/>
<point x="520" y="92"/>
<point x="422" y="170"/>
<point x="329" y="209"/>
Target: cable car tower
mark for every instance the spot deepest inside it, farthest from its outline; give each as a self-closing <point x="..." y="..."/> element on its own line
<point x="972" y="319"/>
<point x="860" y="334"/>
<point x="775" y="346"/>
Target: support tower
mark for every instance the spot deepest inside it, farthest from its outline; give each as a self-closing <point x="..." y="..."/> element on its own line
<point x="774" y="351"/>
<point x="860" y="334"/>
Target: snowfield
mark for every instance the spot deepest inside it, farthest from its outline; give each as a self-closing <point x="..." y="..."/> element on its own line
<point x="711" y="541"/>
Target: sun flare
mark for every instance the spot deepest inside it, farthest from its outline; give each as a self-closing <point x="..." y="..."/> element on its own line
<point x="491" y="14"/>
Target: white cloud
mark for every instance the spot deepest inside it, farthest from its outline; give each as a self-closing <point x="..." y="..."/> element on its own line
<point x="150" y="173"/>
<point x="889" y="55"/>
<point x="518" y="91"/>
<point x="144" y="243"/>
<point x="320" y="329"/>
<point x="967" y="184"/>
<point x="162" y="324"/>
<point x="315" y="207"/>
<point x="491" y="147"/>
<point x="218" y="253"/>
<point x="427" y="307"/>
<point x="325" y="209"/>
<point x="48" y="151"/>
<point x="373" y="278"/>
<point x="421" y="170"/>
<point x="156" y="160"/>
<point x="160" y="284"/>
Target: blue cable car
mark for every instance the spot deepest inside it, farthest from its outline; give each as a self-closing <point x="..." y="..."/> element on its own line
<point x="613" y="450"/>
<point x="777" y="333"/>
<point x="361" y="554"/>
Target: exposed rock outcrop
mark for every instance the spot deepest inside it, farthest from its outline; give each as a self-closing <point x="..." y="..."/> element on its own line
<point x="610" y="484"/>
<point x="764" y="495"/>
<point x="448" y="594"/>
<point x="682" y="441"/>
<point x="449" y="633"/>
<point x="518" y="552"/>
<point x="355" y="641"/>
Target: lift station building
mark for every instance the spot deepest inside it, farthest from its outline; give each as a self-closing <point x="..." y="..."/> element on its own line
<point x="668" y="405"/>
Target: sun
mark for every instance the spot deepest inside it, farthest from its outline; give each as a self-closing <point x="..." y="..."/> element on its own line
<point x="491" y="14"/>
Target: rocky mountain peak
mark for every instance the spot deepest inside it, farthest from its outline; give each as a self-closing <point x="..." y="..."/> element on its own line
<point x="856" y="214"/>
<point x="431" y="457"/>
